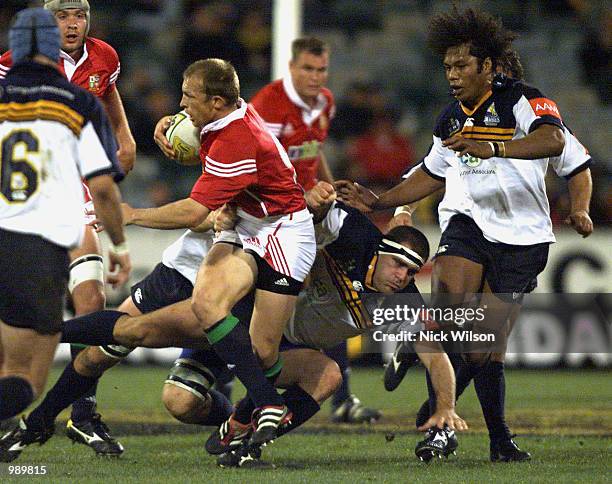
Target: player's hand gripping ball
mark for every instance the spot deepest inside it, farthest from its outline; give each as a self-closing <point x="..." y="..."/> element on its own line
<point x="185" y="139"/>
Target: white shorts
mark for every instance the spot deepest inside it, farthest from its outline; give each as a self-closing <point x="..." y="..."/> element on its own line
<point x="286" y="242"/>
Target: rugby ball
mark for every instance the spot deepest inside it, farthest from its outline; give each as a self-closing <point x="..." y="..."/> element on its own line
<point x="185" y="139"/>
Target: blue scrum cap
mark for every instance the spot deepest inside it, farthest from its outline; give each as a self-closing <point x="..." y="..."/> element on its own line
<point x="34" y="31"/>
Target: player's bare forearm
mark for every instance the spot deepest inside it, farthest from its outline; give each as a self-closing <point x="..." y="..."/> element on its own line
<point x="208" y="224"/>
<point x="186" y="213"/>
<point x="580" y="189"/>
<point x="325" y="173"/>
<point x="442" y="377"/>
<point x="546" y="140"/>
<point x="107" y="200"/>
<point x="116" y="114"/>
<point x="414" y="188"/>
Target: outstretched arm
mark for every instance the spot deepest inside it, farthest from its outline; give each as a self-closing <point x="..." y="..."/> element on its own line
<point x="443" y="380"/>
<point x="186" y="213"/>
<point x="414" y="188"/>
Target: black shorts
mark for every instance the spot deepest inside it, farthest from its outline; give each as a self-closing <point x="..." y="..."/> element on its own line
<point x="269" y="279"/>
<point x="162" y="287"/>
<point x="33" y="282"/>
<point x="509" y="269"/>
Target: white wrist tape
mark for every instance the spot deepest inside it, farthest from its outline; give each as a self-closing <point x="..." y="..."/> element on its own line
<point x="402" y="209"/>
<point x="119" y="249"/>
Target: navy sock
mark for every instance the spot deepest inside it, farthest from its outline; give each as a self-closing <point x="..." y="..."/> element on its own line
<point x="225" y="383"/>
<point x="339" y="355"/>
<point x="94" y="329"/>
<point x="70" y="386"/>
<point x="246" y="406"/>
<point x="301" y="404"/>
<point x="432" y="394"/>
<point x="220" y="409"/>
<point x="85" y="407"/>
<point x="16" y="394"/>
<point x="232" y="342"/>
<point x="490" y="385"/>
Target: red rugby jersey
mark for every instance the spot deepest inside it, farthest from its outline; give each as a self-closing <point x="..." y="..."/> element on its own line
<point x="243" y="163"/>
<point x="300" y="128"/>
<point x="96" y="71"/>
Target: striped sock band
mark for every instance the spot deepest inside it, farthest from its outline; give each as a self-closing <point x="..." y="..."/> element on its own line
<point x="221" y="328"/>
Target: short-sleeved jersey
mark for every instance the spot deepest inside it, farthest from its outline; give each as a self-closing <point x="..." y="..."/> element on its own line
<point x="96" y="71"/>
<point x="52" y="134"/>
<point x="186" y="254"/>
<point x="505" y="197"/>
<point x="245" y="164"/>
<point x="300" y="128"/>
<point x="330" y="309"/>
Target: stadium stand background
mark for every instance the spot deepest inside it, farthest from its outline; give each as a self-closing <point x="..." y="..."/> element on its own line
<point x="388" y="88"/>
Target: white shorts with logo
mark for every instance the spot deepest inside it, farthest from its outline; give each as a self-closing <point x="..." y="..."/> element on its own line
<point x="285" y="242"/>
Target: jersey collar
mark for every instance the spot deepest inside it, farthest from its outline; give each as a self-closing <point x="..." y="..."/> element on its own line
<point x="76" y="64"/>
<point x="309" y="114"/>
<point x="225" y="120"/>
<point x="469" y="112"/>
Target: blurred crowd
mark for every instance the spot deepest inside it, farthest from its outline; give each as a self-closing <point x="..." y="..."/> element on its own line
<point x="388" y="88"/>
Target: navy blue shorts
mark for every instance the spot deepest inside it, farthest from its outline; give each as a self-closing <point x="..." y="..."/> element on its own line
<point x="509" y="269"/>
<point x="33" y="282"/>
<point x="162" y="287"/>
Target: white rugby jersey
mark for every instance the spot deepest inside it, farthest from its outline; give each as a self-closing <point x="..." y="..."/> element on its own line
<point x="505" y="197"/>
<point x="52" y="135"/>
<point x="330" y="309"/>
<point x="185" y="255"/>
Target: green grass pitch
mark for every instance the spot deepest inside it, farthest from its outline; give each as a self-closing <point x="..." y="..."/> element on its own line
<point x="564" y="418"/>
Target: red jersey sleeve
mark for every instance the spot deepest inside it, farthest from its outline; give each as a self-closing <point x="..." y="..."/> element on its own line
<point x="229" y="168"/>
<point x="6" y="62"/>
<point x="111" y="59"/>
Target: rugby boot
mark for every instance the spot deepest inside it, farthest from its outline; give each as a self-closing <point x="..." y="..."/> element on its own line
<point x="266" y="421"/>
<point x="228" y="436"/>
<point x="14" y="442"/>
<point x="353" y="411"/>
<point x="506" y="450"/>
<point x="433" y="445"/>
<point x="452" y="442"/>
<point x="94" y="433"/>
<point x="403" y="358"/>
<point x="245" y="456"/>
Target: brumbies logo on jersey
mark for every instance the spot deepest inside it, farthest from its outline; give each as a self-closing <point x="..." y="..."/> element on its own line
<point x="491" y="118"/>
<point x="94" y="82"/>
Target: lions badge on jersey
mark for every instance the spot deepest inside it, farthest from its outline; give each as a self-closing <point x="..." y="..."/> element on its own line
<point x="94" y="83"/>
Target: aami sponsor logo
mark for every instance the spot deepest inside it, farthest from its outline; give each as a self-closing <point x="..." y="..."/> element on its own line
<point x="542" y="106"/>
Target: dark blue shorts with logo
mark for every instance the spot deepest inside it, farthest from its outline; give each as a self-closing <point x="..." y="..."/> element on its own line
<point x="509" y="269"/>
